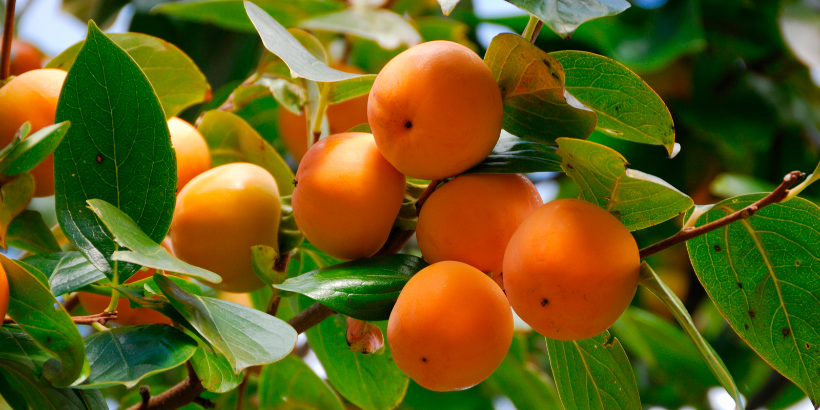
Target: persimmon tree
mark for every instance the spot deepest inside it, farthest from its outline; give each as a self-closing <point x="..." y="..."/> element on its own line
<point x="313" y="147"/>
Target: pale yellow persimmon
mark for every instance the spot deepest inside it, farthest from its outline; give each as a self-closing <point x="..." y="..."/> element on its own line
<point x="193" y="156"/>
<point x="435" y="110"/>
<point x="571" y="269"/>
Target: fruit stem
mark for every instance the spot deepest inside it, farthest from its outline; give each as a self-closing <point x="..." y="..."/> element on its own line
<point x="8" y="31"/>
<point x="98" y="327"/>
<point x="533" y="28"/>
<point x="780" y="194"/>
<point x="115" y="296"/>
<point x="316" y="132"/>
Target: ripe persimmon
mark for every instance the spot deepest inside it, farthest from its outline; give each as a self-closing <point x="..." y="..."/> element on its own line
<point x="571" y="269"/>
<point x="32" y="97"/>
<point x="193" y="157"/>
<point x="347" y="196"/>
<point x="24" y="57"/>
<point x="220" y="215"/>
<point x="471" y="218"/>
<point x="435" y="110"/>
<point x="126" y="315"/>
<point x="450" y="327"/>
<point x="4" y="293"/>
<point x="340" y="117"/>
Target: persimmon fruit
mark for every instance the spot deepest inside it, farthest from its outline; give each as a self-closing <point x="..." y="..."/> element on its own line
<point x="450" y="327"/>
<point x="435" y="110"/>
<point x="24" y="57"/>
<point x="347" y="196"/>
<point x="126" y="315"/>
<point x="340" y="117"/>
<point x="571" y="269"/>
<point x="4" y="293"/>
<point x="471" y="218"/>
<point x="193" y="156"/>
<point x="220" y="215"/>
<point x="32" y="97"/>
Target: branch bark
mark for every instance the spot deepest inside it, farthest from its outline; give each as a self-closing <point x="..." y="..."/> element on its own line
<point x="8" y="32"/>
<point x="101" y="318"/>
<point x="685" y="234"/>
<point x="184" y="392"/>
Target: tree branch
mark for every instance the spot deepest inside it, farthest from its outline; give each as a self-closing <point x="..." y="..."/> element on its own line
<point x="184" y="392"/>
<point x="426" y="194"/>
<point x="8" y="32"/>
<point x="101" y="318"/>
<point x="310" y="317"/>
<point x="688" y="233"/>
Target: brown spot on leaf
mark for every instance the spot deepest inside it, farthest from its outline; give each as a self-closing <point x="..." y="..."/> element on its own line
<point x="808" y="346"/>
<point x="99" y="158"/>
<point x="785" y="332"/>
<point x="570" y="166"/>
<point x="740" y="285"/>
<point x="746" y="326"/>
<point x="555" y="76"/>
<point x="797" y="263"/>
<point x="717" y="248"/>
<point x="752" y="314"/>
<point x="295" y="183"/>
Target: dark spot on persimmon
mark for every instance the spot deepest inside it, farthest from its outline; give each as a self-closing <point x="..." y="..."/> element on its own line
<point x="408" y="125"/>
<point x="545" y="302"/>
<point x="295" y="183"/>
<point x="555" y="76"/>
<point x="424" y="359"/>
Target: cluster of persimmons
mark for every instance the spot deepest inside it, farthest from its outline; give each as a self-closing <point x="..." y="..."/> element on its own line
<point x="568" y="268"/>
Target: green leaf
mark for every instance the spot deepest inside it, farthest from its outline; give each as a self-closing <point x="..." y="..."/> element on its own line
<point x="24" y="390"/>
<point x="177" y="81"/>
<point x="29" y="232"/>
<point x="627" y="107"/>
<point x="141" y="297"/>
<point x="118" y="149"/>
<point x="231" y="139"/>
<point x="246" y="336"/>
<point x="214" y="370"/>
<point x="126" y="355"/>
<point x="364" y="289"/>
<point x="653" y="282"/>
<point x="761" y="273"/>
<point x="640" y="200"/>
<point x="728" y="184"/>
<point x="51" y="328"/>
<point x="564" y="16"/>
<point x="15" y="196"/>
<point x="264" y="260"/>
<point x="290" y="383"/>
<point x="370" y="381"/>
<point x="230" y="14"/>
<point x="143" y="250"/>
<point x="593" y="373"/>
<point x="31" y="151"/>
<point x="536" y="106"/>
<point x="279" y="41"/>
<point x="18" y="346"/>
<point x="66" y="271"/>
<point x="512" y="155"/>
<point x="385" y="27"/>
<point x="150" y="286"/>
<point x="523" y="383"/>
<point x="352" y="88"/>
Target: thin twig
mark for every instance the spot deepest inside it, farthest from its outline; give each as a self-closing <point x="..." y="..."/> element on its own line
<point x="310" y="317"/>
<point x="537" y="31"/>
<point x="397" y="239"/>
<point x="145" y="393"/>
<point x="686" y="234"/>
<point x="8" y="32"/>
<point x="101" y="318"/>
<point x="184" y="392"/>
<point x="426" y="194"/>
<point x="71" y="302"/>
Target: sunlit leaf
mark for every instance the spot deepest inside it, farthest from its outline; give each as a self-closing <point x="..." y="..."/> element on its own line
<point x="291" y="383"/>
<point x="564" y="16"/>
<point x="14" y="197"/>
<point x="66" y="271"/>
<point x="34" y="149"/>
<point x="29" y="232"/>
<point x="385" y="27"/>
<point x="513" y="155"/>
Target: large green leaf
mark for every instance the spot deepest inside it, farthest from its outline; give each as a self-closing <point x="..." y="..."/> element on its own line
<point x="385" y="27"/>
<point x="365" y="289"/>
<point x="246" y="336"/>
<point x="177" y="81"/>
<point x="18" y="346"/>
<point x="214" y="370"/>
<point x="513" y="155"/>
<point x="29" y="232"/>
<point x="279" y="41"/>
<point x="231" y="139"/>
<point x="564" y="16"/>
<point x="31" y="151"/>
<point x="536" y="105"/>
<point x="118" y="149"/>
<point x="370" y="381"/>
<point x="15" y="195"/>
<point x="627" y="107"/>
<point x="761" y="273"/>
<point x="25" y="391"/>
<point x="640" y="200"/>
<point x="290" y="383"/>
<point x="523" y="383"/>
<point x="143" y="250"/>
<point x="230" y="14"/>
<point x="30" y="305"/>
<point x="594" y="374"/>
<point x="66" y="271"/>
<point x="126" y="355"/>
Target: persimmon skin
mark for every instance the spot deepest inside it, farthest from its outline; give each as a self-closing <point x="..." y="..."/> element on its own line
<point x="435" y="110"/>
<point x="347" y="196"/>
<point x="126" y="315"/>
<point x="32" y="97"/>
<point x="472" y="218"/>
<point x="193" y="156"/>
<point x="450" y="327"/>
<point x="340" y="117"/>
<point x="24" y="57"/>
<point x="4" y="293"/>
<point x="220" y="215"/>
<point x="571" y="269"/>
